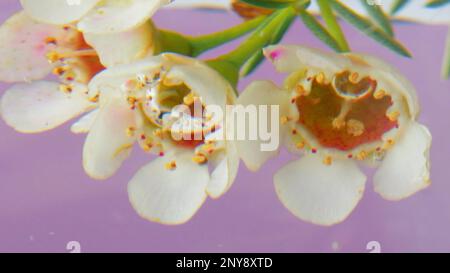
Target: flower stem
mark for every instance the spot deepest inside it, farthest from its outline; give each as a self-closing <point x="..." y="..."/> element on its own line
<point x="332" y="25"/>
<point x="206" y="42"/>
<point x="230" y="64"/>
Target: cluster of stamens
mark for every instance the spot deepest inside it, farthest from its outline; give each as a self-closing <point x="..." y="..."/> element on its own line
<point x="344" y="115"/>
<point x="69" y="61"/>
<point x="157" y="98"/>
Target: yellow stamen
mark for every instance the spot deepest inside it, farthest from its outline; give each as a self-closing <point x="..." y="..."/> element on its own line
<point x="393" y="116"/>
<point x="130" y="131"/>
<point x="353" y="77"/>
<point x="355" y="127"/>
<point x="300" y="145"/>
<point x="320" y="78"/>
<point x="171" y="166"/>
<point x="362" y="155"/>
<point x="65" y="88"/>
<point x="200" y="159"/>
<point x="379" y="94"/>
<point x="328" y="160"/>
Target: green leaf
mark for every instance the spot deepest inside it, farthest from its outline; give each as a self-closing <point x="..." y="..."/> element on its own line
<point x="397" y="5"/>
<point x="332" y="24"/>
<point x="270" y="4"/>
<point x="368" y="28"/>
<point x="258" y="57"/>
<point x="437" y="3"/>
<point x="378" y="16"/>
<point x="319" y="31"/>
<point x="446" y="63"/>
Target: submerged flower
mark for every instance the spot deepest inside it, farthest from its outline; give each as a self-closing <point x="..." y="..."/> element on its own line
<point x="141" y="103"/>
<point x="94" y="16"/>
<point x="29" y="52"/>
<point x="339" y="110"/>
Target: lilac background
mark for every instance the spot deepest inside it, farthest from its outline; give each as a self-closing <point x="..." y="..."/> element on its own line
<point x="46" y="200"/>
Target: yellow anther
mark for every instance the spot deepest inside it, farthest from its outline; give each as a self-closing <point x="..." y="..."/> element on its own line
<point x="132" y="100"/>
<point x="147" y="147"/>
<point x="393" y="116"/>
<point x="189" y="99"/>
<point x="379" y="94"/>
<point x="53" y="56"/>
<point x="338" y="123"/>
<point x="59" y="71"/>
<point x="95" y="99"/>
<point x="142" y="80"/>
<point x="65" y="88"/>
<point x="355" y="127"/>
<point x="284" y="119"/>
<point x="328" y="160"/>
<point x="200" y="159"/>
<point x="158" y="133"/>
<point x="130" y="131"/>
<point x="300" y="145"/>
<point x="362" y="155"/>
<point x="320" y="78"/>
<point x="353" y="77"/>
<point x="389" y="143"/>
<point x="50" y="41"/>
<point x="172" y="165"/>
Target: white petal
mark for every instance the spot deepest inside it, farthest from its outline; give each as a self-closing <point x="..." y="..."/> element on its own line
<point x="108" y="143"/>
<point x="118" y="15"/>
<point x="85" y="123"/>
<point x="225" y="169"/>
<point x="23" y="49"/>
<point x="169" y="196"/>
<point x="406" y="168"/>
<point x="58" y="11"/>
<point x="123" y="47"/>
<point x="290" y="58"/>
<point x="260" y="93"/>
<point x="40" y="106"/>
<point x="317" y="193"/>
<point x="206" y="82"/>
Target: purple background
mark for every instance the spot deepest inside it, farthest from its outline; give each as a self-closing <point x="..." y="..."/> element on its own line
<point x="46" y="200"/>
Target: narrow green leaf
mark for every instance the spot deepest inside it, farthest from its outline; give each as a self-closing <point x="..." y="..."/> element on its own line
<point x="446" y="64"/>
<point x="437" y="3"/>
<point x="368" y="28"/>
<point x="378" y="16"/>
<point x="258" y="57"/>
<point x="319" y="31"/>
<point x="332" y="24"/>
<point x="270" y="4"/>
<point x="397" y="5"/>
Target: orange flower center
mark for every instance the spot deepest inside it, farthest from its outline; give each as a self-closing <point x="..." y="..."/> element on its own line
<point x="345" y="113"/>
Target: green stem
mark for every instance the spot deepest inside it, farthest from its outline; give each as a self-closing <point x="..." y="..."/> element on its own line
<point x="259" y="39"/>
<point x="230" y="64"/>
<point x="170" y="41"/>
<point x="333" y="25"/>
<point x="206" y="42"/>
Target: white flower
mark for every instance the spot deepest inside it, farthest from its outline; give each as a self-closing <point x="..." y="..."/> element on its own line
<point x="137" y="103"/>
<point x="94" y="16"/>
<point x="338" y="111"/>
<point x="29" y="52"/>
